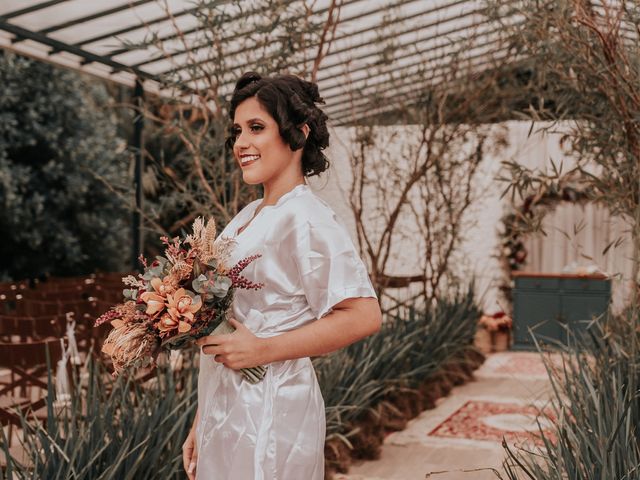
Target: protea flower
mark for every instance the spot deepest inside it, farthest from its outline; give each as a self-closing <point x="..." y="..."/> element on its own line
<point x="129" y="344"/>
<point x="181" y="295"/>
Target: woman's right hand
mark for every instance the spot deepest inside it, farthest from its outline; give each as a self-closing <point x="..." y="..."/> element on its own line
<point x="190" y="454"/>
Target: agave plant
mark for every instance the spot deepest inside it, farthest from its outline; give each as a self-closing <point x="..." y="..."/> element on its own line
<point x="596" y="402"/>
<point x="449" y="330"/>
<point x="405" y="352"/>
<point x="113" y="428"/>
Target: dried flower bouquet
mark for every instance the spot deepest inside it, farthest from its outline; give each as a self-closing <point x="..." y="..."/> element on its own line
<point x="180" y="297"/>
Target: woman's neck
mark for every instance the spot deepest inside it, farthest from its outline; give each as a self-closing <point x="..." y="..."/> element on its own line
<point x="274" y="190"/>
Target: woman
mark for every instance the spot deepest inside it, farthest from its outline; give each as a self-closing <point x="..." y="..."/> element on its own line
<point x="317" y="297"/>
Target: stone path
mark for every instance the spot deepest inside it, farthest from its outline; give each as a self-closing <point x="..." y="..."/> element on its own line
<point x="461" y="438"/>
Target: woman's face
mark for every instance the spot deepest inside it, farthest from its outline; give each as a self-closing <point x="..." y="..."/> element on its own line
<point x="259" y="149"/>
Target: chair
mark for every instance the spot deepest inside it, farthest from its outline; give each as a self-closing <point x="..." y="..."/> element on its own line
<point x="10" y="295"/>
<point x="53" y="294"/>
<point x="22" y="387"/>
<point x="37" y="308"/>
<point x="15" y="328"/>
<point x="112" y="276"/>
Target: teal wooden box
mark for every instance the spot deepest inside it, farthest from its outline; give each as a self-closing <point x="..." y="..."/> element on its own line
<point x="551" y="304"/>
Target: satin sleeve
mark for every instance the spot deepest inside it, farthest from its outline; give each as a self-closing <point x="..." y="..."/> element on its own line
<point x="329" y="266"/>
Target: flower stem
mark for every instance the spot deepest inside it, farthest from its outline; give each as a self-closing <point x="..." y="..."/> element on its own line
<point x="253" y="374"/>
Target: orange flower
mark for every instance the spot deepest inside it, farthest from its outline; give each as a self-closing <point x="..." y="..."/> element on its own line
<point x="156" y="301"/>
<point x="167" y="323"/>
<point x="163" y="286"/>
<point x="181" y="306"/>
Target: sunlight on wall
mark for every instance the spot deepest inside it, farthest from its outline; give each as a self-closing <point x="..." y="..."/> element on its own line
<point x="477" y="255"/>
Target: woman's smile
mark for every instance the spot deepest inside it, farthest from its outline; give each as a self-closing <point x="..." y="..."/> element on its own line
<point x="248" y="159"/>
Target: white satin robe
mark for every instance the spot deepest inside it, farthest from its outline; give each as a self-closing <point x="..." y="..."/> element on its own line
<point x="276" y="428"/>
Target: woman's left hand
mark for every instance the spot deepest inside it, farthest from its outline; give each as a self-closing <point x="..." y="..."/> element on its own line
<point x="240" y="349"/>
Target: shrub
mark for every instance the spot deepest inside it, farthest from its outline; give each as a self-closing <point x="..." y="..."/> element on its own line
<point x="404" y="353"/>
<point x="596" y="403"/>
<point x="56" y="138"/>
<point x="113" y="428"/>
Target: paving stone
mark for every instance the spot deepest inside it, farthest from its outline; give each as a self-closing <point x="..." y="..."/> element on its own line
<point x="461" y="438"/>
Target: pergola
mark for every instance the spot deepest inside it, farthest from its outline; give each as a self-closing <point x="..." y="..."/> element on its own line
<point x="91" y="37"/>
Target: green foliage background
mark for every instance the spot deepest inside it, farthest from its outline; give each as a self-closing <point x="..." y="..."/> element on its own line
<point x="57" y="137"/>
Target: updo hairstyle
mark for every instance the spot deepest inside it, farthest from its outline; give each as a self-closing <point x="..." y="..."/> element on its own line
<point x="291" y="102"/>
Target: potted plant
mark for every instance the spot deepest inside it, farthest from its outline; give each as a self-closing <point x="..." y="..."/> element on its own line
<point x="498" y="328"/>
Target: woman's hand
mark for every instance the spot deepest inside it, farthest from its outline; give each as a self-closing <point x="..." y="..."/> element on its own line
<point x="190" y="454"/>
<point x="240" y="349"/>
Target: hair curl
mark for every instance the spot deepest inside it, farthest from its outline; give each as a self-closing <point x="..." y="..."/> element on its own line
<point x="291" y="101"/>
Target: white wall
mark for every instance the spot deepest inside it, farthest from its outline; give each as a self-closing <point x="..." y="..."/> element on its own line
<point x="479" y="249"/>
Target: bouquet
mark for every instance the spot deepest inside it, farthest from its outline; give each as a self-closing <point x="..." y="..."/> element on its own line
<point x="180" y="297"/>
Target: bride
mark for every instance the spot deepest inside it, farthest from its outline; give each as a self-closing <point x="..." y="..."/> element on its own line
<point x="317" y="297"/>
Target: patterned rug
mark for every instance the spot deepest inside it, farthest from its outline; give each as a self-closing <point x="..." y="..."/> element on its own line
<point x="521" y="364"/>
<point x="491" y="421"/>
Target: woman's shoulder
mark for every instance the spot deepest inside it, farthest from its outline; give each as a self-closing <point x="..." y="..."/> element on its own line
<point x="308" y="215"/>
<point x="308" y="207"/>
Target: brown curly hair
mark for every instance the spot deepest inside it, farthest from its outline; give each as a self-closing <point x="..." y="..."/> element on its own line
<point x="291" y="102"/>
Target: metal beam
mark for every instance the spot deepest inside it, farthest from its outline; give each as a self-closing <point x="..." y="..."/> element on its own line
<point x="58" y="46"/>
<point x="31" y="9"/>
<point x="358" y="32"/>
<point x="368" y="55"/>
<point x="392" y="66"/>
<point x="122" y="31"/>
<point x="224" y="39"/>
<point x="411" y="80"/>
<point x="242" y="50"/>
<point x="410" y="99"/>
<point x="137" y="142"/>
<point x="364" y="108"/>
<point x="421" y="60"/>
<point x="93" y="16"/>
<point x="119" y="51"/>
<point x="347" y="96"/>
<point x="132" y="28"/>
<point x="87" y="57"/>
<point x="402" y="46"/>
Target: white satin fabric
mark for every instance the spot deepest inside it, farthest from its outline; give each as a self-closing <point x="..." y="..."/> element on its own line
<point x="276" y="428"/>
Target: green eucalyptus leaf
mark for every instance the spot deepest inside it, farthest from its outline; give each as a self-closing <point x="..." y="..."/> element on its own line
<point x="130" y="294"/>
<point x="221" y="286"/>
